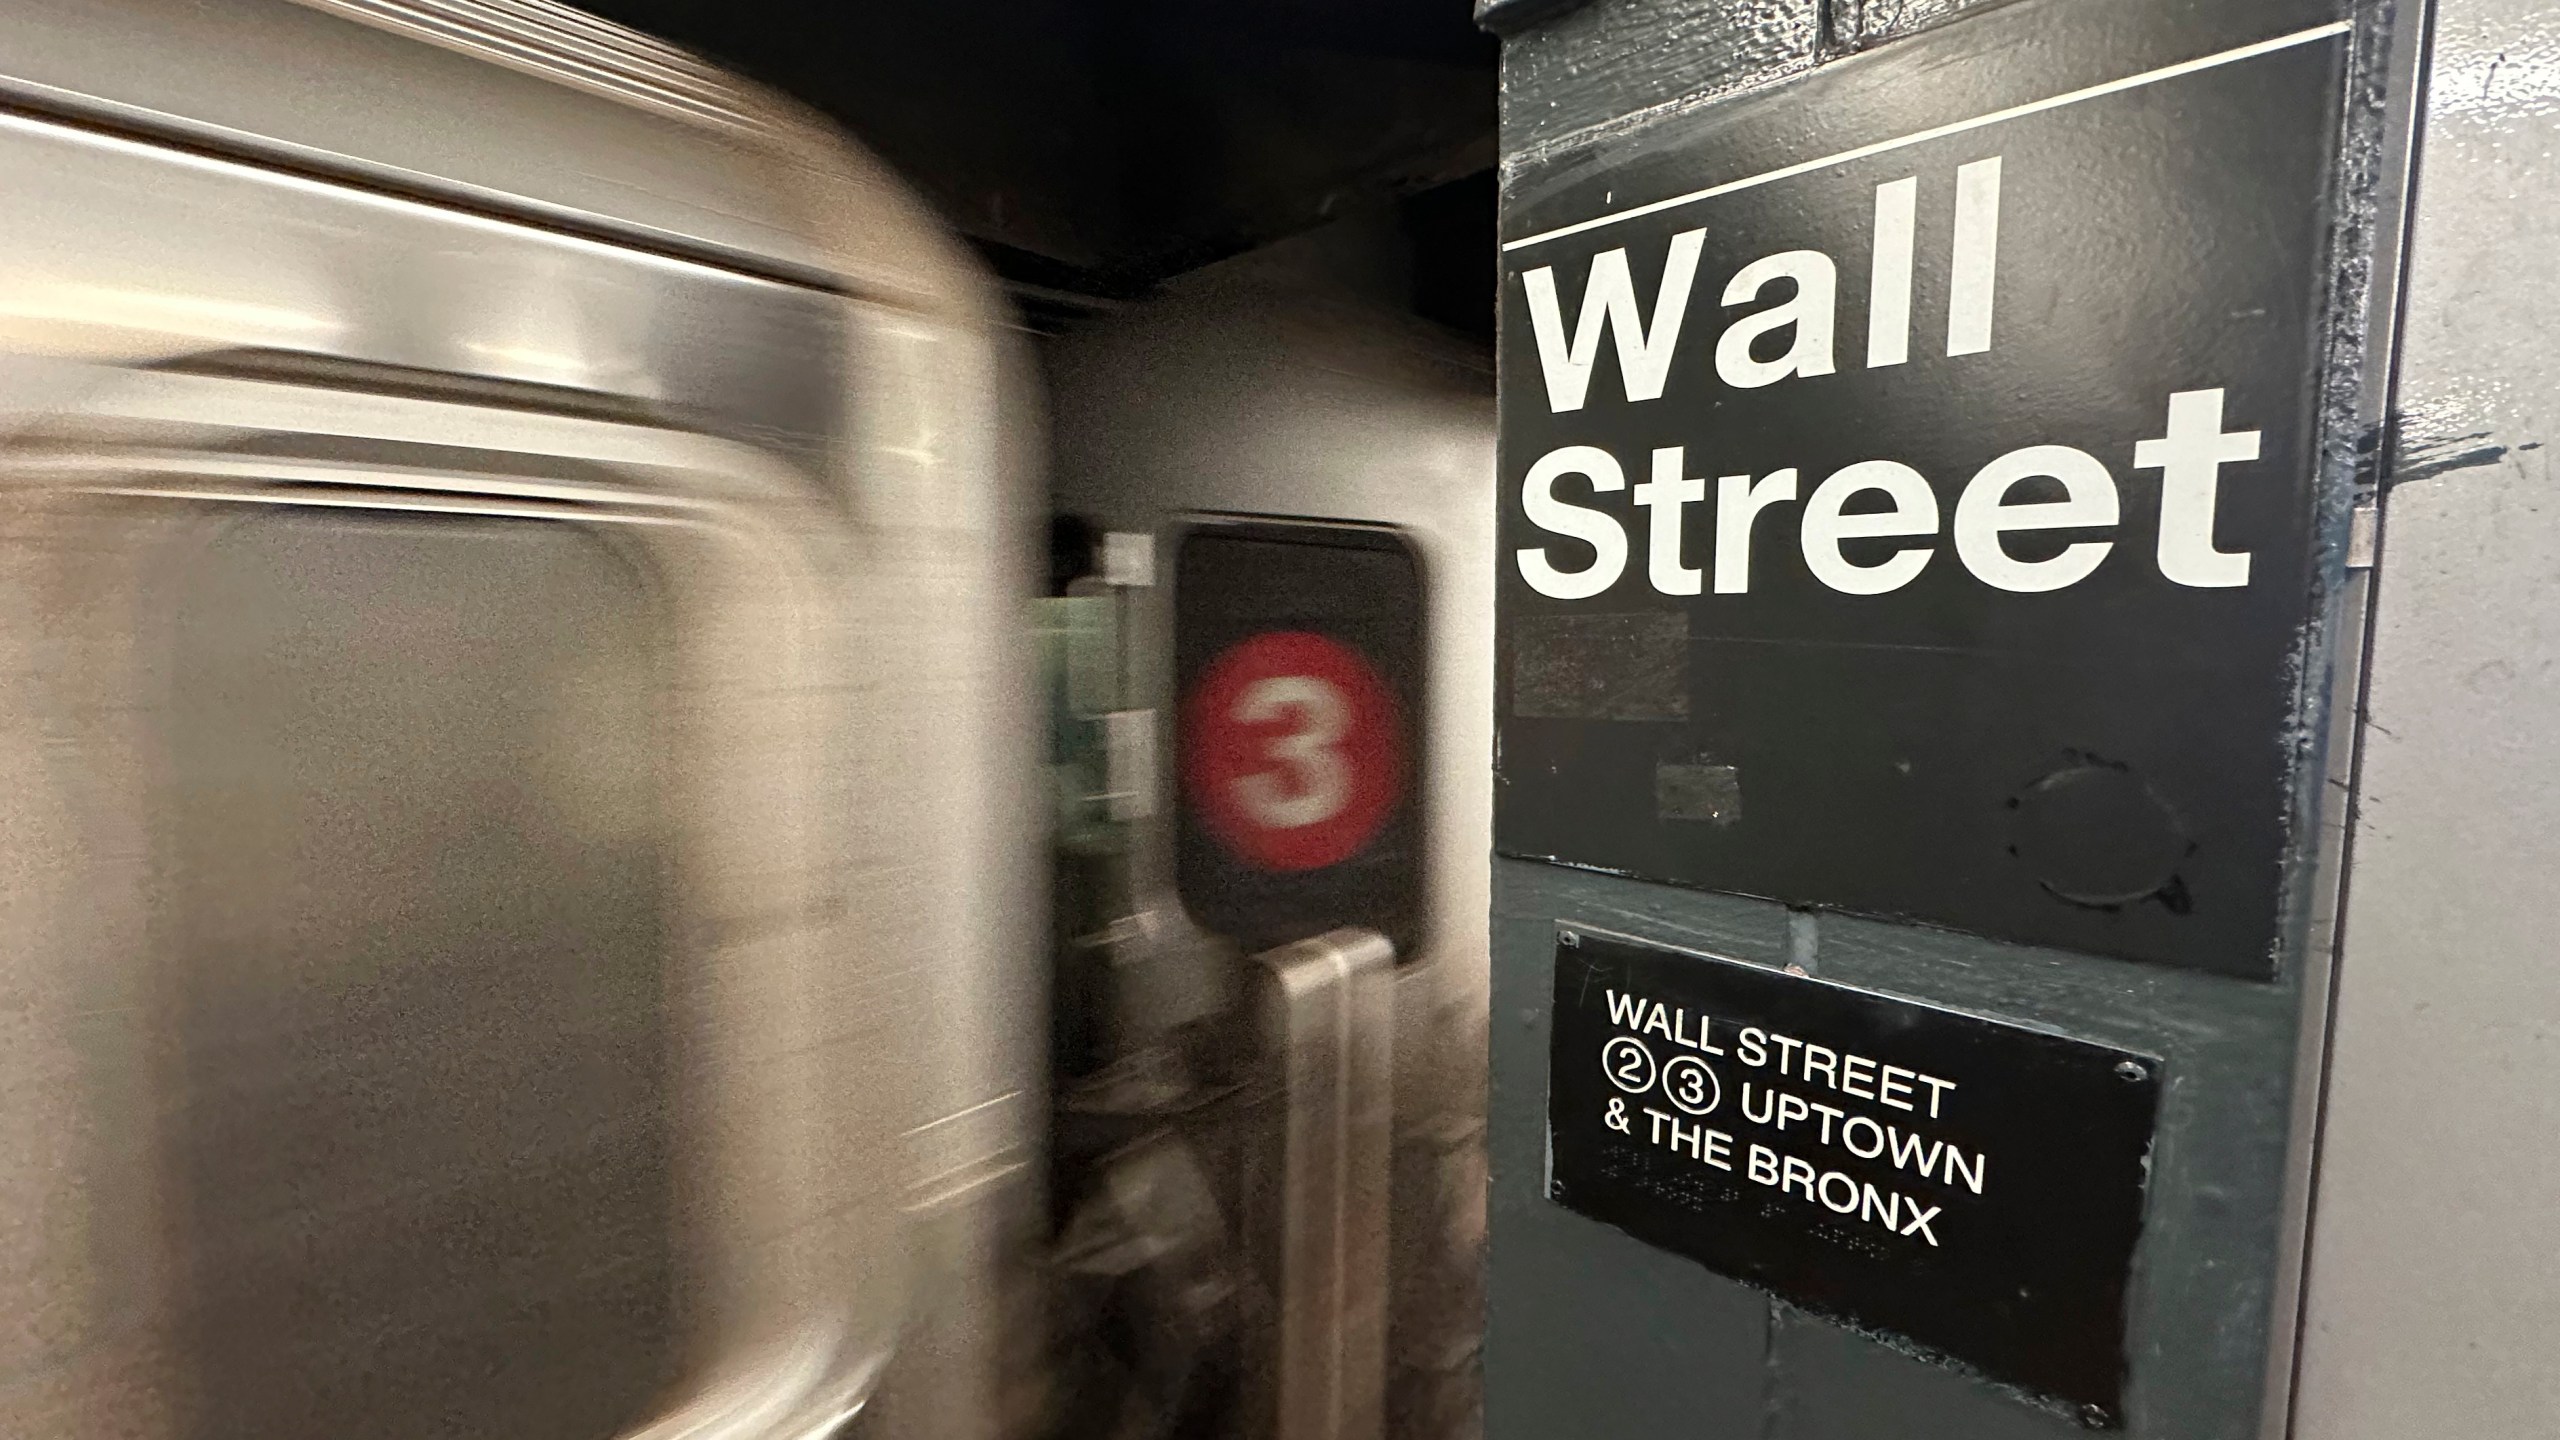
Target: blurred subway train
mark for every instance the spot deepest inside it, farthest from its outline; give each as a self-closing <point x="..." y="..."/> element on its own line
<point x="608" y="833"/>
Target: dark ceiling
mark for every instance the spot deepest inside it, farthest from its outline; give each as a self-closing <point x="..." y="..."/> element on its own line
<point x="1094" y="147"/>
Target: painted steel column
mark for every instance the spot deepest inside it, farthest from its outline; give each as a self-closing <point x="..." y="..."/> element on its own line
<point x="1595" y="1334"/>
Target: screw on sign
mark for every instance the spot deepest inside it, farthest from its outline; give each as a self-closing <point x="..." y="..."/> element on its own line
<point x="1293" y="753"/>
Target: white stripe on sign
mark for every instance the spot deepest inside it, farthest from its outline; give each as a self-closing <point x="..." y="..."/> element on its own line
<point x="2033" y="107"/>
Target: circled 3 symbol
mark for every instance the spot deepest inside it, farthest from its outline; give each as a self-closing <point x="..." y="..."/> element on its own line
<point x="1691" y="1085"/>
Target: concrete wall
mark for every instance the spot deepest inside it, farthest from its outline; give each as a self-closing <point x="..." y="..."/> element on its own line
<point x="2434" y="1288"/>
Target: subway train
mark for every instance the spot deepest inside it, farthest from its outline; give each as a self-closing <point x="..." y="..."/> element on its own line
<point x="572" y="871"/>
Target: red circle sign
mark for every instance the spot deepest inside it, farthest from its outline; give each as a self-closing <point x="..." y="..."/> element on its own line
<point x="1292" y="750"/>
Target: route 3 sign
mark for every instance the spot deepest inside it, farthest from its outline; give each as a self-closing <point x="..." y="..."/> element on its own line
<point x="1298" y="651"/>
<point x="1294" y="751"/>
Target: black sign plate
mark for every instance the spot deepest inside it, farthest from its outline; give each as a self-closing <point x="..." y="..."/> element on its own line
<point x="1911" y="486"/>
<point x="1968" y="1184"/>
<point x="1298" y="657"/>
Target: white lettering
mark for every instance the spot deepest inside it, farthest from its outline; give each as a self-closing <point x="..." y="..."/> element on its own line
<point x="1705" y="1044"/>
<point x="1591" y="527"/>
<point x="1701" y="1143"/>
<point x="1609" y="303"/>
<point x="1907" y="1154"/>
<point x="1889" y="278"/>
<point x="1971" y="1171"/>
<point x="1667" y="495"/>
<point x="1984" y="513"/>
<point x="1808" y="312"/>
<point x="1794" y="1171"/>
<point x="1840" y="1070"/>
<point x="1914" y="512"/>
<point x="1886" y="1086"/>
<point x="1680" y="1033"/>
<point x="1762" y="1166"/>
<point x="1625" y="1011"/>
<point x="1786" y="1052"/>
<point x="1828" y="1113"/>
<point x="1768" y="1104"/>
<point x="1828" y="1064"/>
<point x="1975" y="268"/>
<point x="2190" y="458"/>
<point x="1738" y="505"/>
<point x="1319" y="780"/>
<point x="1789" y="1174"/>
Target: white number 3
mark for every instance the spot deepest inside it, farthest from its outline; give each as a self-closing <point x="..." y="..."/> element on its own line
<point x="1319" y="782"/>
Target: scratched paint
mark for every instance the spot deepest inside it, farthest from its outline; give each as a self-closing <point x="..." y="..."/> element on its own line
<point x="1609" y="62"/>
<point x="1865" y="23"/>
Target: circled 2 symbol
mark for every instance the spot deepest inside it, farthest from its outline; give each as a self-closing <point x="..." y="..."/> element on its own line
<point x="1690" y="1085"/>
<point x="1628" y="1064"/>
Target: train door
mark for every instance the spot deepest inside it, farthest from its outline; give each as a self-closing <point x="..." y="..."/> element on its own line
<point x="412" y="806"/>
<point x="1287" y="488"/>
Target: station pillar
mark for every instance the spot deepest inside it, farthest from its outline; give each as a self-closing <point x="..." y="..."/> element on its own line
<point x="1942" y="452"/>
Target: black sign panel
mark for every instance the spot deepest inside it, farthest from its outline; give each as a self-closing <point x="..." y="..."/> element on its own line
<point x="1298" y="658"/>
<point x="1971" y="1185"/>
<point x="1911" y="487"/>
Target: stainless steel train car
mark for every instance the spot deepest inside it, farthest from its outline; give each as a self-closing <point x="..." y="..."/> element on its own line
<point x="1290" y="479"/>
<point x="515" y="885"/>
<point x="523" y="821"/>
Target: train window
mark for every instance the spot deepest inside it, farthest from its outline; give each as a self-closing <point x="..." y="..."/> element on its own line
<point x="413" y="994"/>
<point x="1299" y="657"/>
